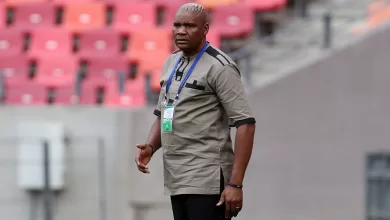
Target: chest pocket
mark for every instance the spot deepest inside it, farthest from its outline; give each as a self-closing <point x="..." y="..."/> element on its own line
<point x="195" y="86"/>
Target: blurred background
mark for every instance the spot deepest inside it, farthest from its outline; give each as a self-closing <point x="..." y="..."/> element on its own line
<point x="80" y="78"/>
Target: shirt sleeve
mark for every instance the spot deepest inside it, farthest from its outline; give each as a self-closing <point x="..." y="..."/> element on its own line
<point x="229" y="88"/>
<point x="157" y="110"/>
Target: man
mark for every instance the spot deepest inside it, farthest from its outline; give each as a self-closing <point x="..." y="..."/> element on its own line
<point x="201" y="93"/>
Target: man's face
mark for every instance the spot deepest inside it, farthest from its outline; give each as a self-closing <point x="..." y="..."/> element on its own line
<point x="189" y="31"/>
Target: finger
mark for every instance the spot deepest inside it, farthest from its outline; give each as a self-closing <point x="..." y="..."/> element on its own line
<point x="237" y="209"/>
<point x="221" y="200"/>
<point x="227" y="209"/>
<point x="138" y="160"/>
<point x="141" y="146"/>
<point x="232" y="209"/>
<point x="144" y="170"/>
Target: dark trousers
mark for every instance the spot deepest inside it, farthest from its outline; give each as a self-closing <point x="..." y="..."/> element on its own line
<point x="198" y="207"/>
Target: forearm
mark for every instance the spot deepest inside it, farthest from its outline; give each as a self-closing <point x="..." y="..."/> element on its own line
<point x="154" y="138"/>
<point x="242" y="152"/>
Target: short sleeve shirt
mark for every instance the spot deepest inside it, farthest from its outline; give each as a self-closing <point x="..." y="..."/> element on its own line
<point x="212" y="100"/>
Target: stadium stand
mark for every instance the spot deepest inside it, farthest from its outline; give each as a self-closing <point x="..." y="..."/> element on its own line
<point x="84" y="16"/>
<point x="98" y="43"/>
<point x="11" y="42"/>
<point x="101" y="52"/>
<point x="2" y="15"/>
<point x="233" y="21"/>
<point x="15" y="69"/>
<point x="19" y="2"/>
<point x="213" y="4"/>
<point x="56" y="71"/>
<point x="131" y="16"/>
<point x="33" y="15"/>
<point x="103" y="70"/>
<point x="49" y="42"/>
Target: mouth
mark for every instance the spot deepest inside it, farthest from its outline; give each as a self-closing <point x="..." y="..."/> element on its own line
<point x="181" y="41"/>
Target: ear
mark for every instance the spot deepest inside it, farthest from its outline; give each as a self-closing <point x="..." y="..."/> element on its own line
<point x="206" y="29"/>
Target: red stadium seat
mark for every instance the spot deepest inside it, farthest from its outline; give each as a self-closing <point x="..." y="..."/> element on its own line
<point x="26" y="93"/>
<point x="214" y="38"/>
<point x="113" y="2"/>
<point x="56" y="71"/>
<point x="213" y="4"/>
<point x="130" y="16"/>
<point x="84" y="16"/>
<point x="49" y="42"/>
<point x="168" y="3"/>
<point x="11" y="42"/>
<point x="153" y="42"/>
<point x="2" y="15"/>
<point x="65" y="95"/>
<point x="99" y="43"/>
<point x="233" y="21"/>
<point x="89" y="94"/>
<point x="14" y="69"/>
<point x="104" y="70"/>
<point x="133" y="96"/>
<point x="67" y="2"/>
<point x="33" y="15"/>
<point x="170" y="13"/>
<point x="265" y="5"/>
<point x="20" y="2"/>
<point x="151" y="66"/>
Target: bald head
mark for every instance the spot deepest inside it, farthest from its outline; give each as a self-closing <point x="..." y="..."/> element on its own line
<point x="195" y="9"/>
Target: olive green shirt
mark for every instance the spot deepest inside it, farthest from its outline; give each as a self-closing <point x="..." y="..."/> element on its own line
<point x="200" y="146"/>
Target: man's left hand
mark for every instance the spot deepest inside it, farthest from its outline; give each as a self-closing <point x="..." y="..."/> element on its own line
<point x="232" y="197"/>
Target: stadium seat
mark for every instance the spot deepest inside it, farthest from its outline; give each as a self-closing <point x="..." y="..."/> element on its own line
<point x="11" y="42"/>
<point x="170" y="13"/>
<point x="99" y="43"/>
<point x="84" y="16"/>
<point x="153" y="42"/>
<point x="151" y="66"/>
<point x="26" y="93"/>
<point x="49" y="42"/>
<point x="20" y="2"/>
<point x="155" y="81"/>
<point x="67" y="2"/>
<point x="133" y="96"/>
<point x="130" y="16"/>
<point x="29" y="16"/>
<point x="56" y="71"/>
<point x="2" y="15"/>
<point x="89" y="94"/>
<point x="214" y="38"/>
<point x="213" y="4"/>
<point x="14" y="69"/>
<point x="168" y="3"/>
<point x="103" y="70"/>
<point x="64" y="95"/>
<point x="233" y="21"/>
<point x="265" y="5"/>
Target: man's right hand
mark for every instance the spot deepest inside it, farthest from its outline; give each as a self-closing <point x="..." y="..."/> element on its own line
<point x="143" y="157"/>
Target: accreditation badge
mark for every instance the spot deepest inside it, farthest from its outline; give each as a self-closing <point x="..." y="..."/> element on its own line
<point x="168" y="118"/>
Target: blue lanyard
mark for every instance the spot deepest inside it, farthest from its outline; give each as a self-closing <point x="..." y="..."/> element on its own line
<point x="169" y="82"/>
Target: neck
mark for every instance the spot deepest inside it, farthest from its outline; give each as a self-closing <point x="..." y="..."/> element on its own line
<point x="191" y="53"/>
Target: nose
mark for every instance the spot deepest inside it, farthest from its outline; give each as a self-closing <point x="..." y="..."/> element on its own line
<point x="181" y="30"/>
